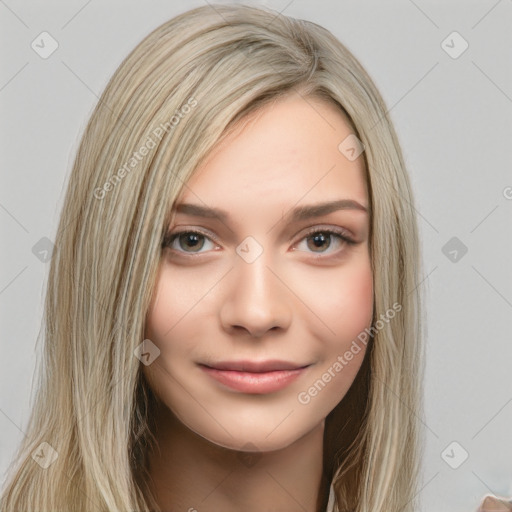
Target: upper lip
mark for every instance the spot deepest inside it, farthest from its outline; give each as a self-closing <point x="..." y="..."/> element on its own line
<point x="256" y="366"/>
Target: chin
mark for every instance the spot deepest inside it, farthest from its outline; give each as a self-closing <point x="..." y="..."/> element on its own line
<point x="253" y="438"/>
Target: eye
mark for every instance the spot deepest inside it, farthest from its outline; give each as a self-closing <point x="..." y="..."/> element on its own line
<point x="319" y="240"/>
<point x="194" y="240"/>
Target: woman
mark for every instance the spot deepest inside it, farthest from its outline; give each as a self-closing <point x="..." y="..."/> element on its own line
<point x="232" y="319"/>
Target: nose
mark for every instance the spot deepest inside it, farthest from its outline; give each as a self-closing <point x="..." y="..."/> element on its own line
<point x="256" y="300"/>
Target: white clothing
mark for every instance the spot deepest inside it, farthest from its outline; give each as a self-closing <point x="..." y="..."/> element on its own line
<point x="330" y="503"/>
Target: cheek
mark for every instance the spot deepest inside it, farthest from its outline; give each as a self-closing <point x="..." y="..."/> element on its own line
<point x="177" y="323"/>
<point x="163" y="327"/>
<point x="170" y="312"/>
<point x="354" y="300"/>
<point x="347" y="310"/>
<point x="342" y="300"/>
<point x="354" y="318"/>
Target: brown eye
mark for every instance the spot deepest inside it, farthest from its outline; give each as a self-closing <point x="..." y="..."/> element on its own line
<point x="326" y="241"/>
<point x="319" y="240"/>
<point x="186" y="241"/>
<point x="195" y="241"/>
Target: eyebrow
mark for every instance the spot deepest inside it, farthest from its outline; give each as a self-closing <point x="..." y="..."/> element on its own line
<point x="297" y="214"/>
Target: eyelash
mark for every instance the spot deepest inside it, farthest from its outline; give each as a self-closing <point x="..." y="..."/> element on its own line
<point x="340" y="233"/>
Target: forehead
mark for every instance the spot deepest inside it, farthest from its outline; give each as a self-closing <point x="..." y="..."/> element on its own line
<point x="284" y="153"/>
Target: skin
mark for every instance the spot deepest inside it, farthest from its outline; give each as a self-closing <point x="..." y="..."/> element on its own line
<point x="494" y="504"/>
<point x="222" y="449"/>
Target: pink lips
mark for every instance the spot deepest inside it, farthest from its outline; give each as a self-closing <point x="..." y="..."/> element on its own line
<point x="254" y="377"/>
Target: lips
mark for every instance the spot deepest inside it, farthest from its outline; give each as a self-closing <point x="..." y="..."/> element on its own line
<point x="254" y="377"/>
<point x="256" y="366"/>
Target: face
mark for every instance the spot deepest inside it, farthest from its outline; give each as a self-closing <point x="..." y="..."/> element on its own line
<point x="267" y="281"/>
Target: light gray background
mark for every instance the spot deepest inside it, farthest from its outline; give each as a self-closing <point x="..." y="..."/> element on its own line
<point x="454" y="121"/>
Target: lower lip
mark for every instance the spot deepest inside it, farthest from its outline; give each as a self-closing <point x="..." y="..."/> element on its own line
<point x="250" y="382"/>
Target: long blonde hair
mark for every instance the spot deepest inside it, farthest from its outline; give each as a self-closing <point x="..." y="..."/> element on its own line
<point x="177" y="94"/>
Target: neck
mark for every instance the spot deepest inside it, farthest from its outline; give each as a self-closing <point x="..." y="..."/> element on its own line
<point x="189" y="473"/>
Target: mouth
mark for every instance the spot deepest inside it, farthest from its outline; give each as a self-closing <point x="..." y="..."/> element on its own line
<point x="254" y="377"/>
